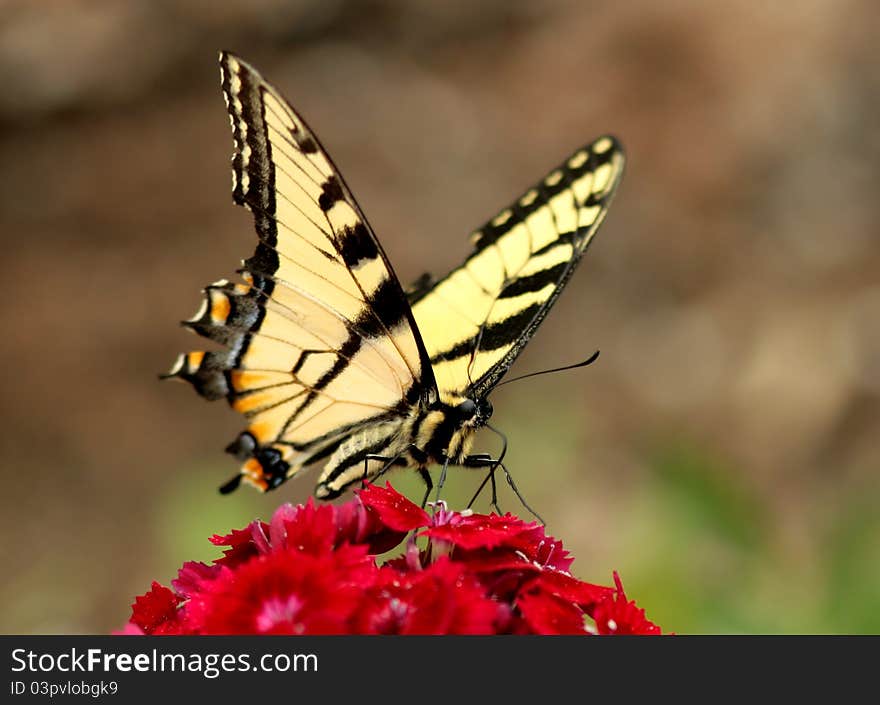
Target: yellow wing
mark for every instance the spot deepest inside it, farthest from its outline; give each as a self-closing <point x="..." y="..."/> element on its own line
<point x="477" y="319"/>
<point x="320" y="340"/>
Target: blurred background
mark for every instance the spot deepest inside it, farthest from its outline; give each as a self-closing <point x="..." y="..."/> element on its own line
<point x="722" y="454"/>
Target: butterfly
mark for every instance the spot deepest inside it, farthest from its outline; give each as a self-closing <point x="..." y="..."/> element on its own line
<point x="332" y="362"/>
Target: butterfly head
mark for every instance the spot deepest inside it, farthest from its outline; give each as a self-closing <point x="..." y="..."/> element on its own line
<point x="445" y="429"/>
<point x="472" y="413"/>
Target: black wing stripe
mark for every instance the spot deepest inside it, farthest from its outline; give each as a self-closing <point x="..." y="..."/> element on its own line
<point x="493" y="336"/>
<point x="256" y="139"/>
<point x="356" y="246"/>
<point x="533" y="282"/>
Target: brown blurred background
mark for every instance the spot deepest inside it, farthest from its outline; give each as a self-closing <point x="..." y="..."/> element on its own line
<point x="722" y="454"/>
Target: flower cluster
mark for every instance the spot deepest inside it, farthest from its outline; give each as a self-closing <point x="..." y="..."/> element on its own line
<point x="312" y="570"/>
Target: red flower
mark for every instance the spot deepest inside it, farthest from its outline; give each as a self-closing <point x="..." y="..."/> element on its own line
<point x="542" y="612"/>
<point x="617" y="615"/>
<point x="156" y="611"/>
<point x="191" y="576"/>
<point x="314" y="529"/>
<point x="284" y="592"/>
<point x="478" y="531"/>
<point x="392" y="509"/>
<point x="442" y="599"/>
<point x="312" y="570"/>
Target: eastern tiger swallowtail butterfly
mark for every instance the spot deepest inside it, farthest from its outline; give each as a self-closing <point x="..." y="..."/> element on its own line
<point x="330" y="360"/>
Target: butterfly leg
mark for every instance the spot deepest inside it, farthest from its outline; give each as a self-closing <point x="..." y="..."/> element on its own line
<point x="481" y="461"/>
<point x="477" y="461"/>
<point x="442" y="480"/>
<point x="388" y="463"/>
<point x="429" y="484"/>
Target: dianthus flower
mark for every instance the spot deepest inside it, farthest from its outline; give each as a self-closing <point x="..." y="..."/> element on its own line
<point x="313" y="570"/>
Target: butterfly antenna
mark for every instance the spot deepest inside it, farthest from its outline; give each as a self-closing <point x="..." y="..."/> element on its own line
<point x="583" y="363"/>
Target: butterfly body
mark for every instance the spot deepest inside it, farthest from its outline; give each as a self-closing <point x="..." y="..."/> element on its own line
<point x="324" y="353"/>
<point x="435" y="434"/>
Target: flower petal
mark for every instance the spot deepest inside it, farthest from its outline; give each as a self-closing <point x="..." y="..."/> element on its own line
<point x="156" y="611"/>
<point x="567" y="587"/>
<point x="617" y="615"/>
<point x="394" y="510"/>
<point x="192" y="575"/>
<point x="442" y="599"/>
<point x="240" y="543"/>
<point x="546" y="613"/>
<point x="284" y="592"/>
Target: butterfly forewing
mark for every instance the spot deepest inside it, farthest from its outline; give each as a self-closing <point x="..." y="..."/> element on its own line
<point x="320" y="338"/>
<point x="476" y="320"/>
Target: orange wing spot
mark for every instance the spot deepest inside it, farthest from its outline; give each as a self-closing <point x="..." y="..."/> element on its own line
<point x="262" y="431"/>
<point x="220" y="307"/>
<point x="194" y="359"/>
<point x="251" y="402"/>
<point x="252" y="473"/>
<point x="243" y="380"/>
<point x="252" y="468"/>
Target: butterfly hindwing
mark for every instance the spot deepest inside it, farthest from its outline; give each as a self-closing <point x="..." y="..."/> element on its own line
<point x="477" y="319"/>
<point x="320" y="340"/>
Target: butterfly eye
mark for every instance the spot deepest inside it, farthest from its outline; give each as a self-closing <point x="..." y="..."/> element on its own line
<point x="484" y="409"/>
<point x="467" y="409"/>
